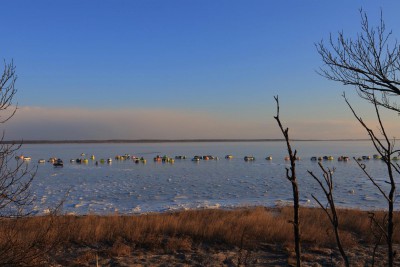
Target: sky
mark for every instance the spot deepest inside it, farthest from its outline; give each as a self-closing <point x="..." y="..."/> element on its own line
<point x="180" y="69"/>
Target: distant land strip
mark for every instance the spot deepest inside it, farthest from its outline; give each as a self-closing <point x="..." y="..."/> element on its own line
<point x="161" y="141"/>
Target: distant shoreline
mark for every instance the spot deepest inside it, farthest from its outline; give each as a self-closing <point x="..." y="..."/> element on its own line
<point x="140" y="141"/>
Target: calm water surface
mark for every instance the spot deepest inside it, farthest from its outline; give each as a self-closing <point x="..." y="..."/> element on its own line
<point x="128" y="188"/>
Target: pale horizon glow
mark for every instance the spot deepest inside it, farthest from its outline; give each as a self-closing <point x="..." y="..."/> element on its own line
<point x="135" y="124"/>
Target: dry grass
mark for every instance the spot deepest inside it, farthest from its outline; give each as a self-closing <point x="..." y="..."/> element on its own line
<point x="181" y="231"/>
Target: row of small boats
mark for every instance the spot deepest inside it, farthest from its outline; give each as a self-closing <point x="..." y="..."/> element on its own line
<point x="166" y="159"/>
<point x="346" y="158"/>
<point x="55" y="161"/>
<point x="341" y="158"/>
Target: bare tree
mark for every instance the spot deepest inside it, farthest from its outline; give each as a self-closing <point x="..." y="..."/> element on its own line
<point x="330" y="209"/>
<point x="291" y="176"/>
<point x="386" y="149"/>
<point x="15" y="177"/>
<point x="370" y="63"/>
<point x="15" y="181"/>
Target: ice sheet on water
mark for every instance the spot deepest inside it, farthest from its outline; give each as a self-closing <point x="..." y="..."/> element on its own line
<point x="131" y="188"/>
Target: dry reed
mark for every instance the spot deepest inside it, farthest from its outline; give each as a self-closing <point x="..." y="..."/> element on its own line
<point x="180" y="231"/>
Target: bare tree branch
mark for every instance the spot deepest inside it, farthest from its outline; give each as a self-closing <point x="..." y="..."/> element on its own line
<point x="7" y="90"/>
<point x="386" y="149"/>
<point x="330" y="209"/>
<point x="370" y="62"/>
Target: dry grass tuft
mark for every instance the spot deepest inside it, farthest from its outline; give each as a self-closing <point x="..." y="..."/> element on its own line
<point x="119" y="248"/>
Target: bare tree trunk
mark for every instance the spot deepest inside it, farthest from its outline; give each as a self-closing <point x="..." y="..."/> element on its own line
<point x="390" y="224"/>
<point x="338" y="241"/>
<point x="296" y="223"/>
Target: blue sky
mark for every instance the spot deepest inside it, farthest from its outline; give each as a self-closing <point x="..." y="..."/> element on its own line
<point x="178" y="63"/>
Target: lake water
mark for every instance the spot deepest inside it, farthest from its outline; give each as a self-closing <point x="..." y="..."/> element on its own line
<point x="130" y="188"/>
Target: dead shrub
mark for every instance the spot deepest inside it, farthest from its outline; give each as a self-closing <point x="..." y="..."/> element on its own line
<point x="27" y="241"/>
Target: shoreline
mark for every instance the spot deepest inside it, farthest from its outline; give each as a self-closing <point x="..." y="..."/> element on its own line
<point x="273" y="208"/>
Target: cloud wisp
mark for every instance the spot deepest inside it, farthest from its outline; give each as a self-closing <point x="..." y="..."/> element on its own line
<point x="38" y="123"/>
